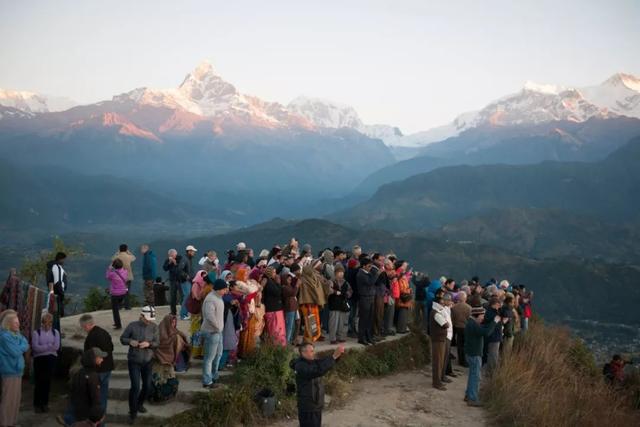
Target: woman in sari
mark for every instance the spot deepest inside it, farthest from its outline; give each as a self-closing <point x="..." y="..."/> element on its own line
<point x="248" y="320"/>
<point x="172" y="344"/>
<point x="311" y="298"/>
<point x="274" y="314"/>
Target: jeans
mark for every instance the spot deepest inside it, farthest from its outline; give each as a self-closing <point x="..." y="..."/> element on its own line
<point x="137" y="396"/>
<point x="324" y="318"/>
<point x="104" y="391"/>
<point x="186" y="290"/>
<point x="493" y="355"/>
<point x="116" y="302"/>
<point x="524" y="325"/>
<point x="290" y="325"/>
<point x="212" y="355"/>
<point x="473" y="382"/>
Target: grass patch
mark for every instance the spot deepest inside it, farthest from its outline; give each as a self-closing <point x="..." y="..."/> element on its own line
<point x="269" y="368"/>
<point x="551" y="380"/>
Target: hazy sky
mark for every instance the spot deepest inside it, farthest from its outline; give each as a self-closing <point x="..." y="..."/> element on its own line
<point x="414" y="64"/>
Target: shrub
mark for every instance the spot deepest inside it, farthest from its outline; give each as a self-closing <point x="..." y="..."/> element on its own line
<point x="549" y="381"/>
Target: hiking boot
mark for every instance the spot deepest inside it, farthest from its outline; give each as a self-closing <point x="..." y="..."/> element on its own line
<point x="452" y="375"/>
<point x="474" y="403"/>
<point x="446" y="380"/>
<point x="440" y="387"/>
<point x="142" y="409"/>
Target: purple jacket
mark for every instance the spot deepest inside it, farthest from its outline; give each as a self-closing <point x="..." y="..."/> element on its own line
<point x="44" y="343"/>
<point x="118" y="279"/>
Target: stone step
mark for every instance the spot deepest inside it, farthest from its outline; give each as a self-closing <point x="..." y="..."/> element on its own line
<point x="193" y="373"/>
<point x="187" y="390"/>
<point x="157" y="415"/>
<point x="120" y="362"/>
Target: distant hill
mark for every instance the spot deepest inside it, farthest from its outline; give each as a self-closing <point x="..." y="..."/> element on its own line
<point x="57" y="200"/>
<point x="547" y="233"/>
<point x="607" y="190"/>
<point x="587" y="141"/>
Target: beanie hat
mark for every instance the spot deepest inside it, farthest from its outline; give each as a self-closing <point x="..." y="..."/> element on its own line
<point x="353" y="263"/>
<point x="219" y="284"/>
<point x="477" y="311"/>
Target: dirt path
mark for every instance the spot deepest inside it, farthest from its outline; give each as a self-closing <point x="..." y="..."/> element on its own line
<point x="405" y="399"/>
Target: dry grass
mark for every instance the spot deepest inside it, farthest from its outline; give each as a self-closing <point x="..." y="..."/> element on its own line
<point x="551" y="380"/>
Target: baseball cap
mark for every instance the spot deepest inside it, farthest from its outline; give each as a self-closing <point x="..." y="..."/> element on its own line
<point x="191" y="248"/>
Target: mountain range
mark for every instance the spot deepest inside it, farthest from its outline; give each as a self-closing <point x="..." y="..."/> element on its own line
<point x="607" y="190"/>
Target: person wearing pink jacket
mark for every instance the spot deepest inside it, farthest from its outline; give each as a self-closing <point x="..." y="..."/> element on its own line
<point x="117" y="276"/>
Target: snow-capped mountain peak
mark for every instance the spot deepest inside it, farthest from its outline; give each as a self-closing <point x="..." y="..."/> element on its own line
<point x="628" y="81"/>
<point x="543" y="88"/>
<point x="324" y="113"/>
<point x="31" y="102"/>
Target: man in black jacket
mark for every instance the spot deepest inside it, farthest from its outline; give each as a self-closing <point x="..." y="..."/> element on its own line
<point x="186" y="272"/>
<point x="310" y="389"/>
<point x="99" y="338"/>
<point x="366" y="284"/>
<point x="171" y="266"/>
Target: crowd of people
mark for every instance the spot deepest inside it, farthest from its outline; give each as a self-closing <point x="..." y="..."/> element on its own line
<point x="286" y="296"/>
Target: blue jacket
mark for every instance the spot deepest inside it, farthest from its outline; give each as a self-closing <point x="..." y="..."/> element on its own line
<point x="12" y="348"/>
<point x="431" y="291"/>
<point x="149" y="266"/>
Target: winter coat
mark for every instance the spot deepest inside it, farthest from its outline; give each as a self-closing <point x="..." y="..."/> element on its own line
<point x="186" y="271"/>
<point x="173" y="269"/>
<point x="85" y="388"/>
<point x="366" y="283"/>
<point x="474" y="336"/>
<point x="491" y="314"/>
<point x="403" y="283"/>
<point x="118" y="281"/>
<point x="340" y="302"/>
<point x="149" y="266"/>
<point x="127" y="258"/>
<point x="12" y="348"/>
<point x="309" y="385"/>
<point x="437" y="323"/>
<point x="460" y="313"/>
<point x="141" y="331"/>
<point x="272" y="296"/>
<point x="45" y="343"/>
<point x="289" y="300"/>
<point x="98" y="337"/>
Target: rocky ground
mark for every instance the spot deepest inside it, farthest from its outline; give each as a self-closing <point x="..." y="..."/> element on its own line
<point x="404" y="400"/>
